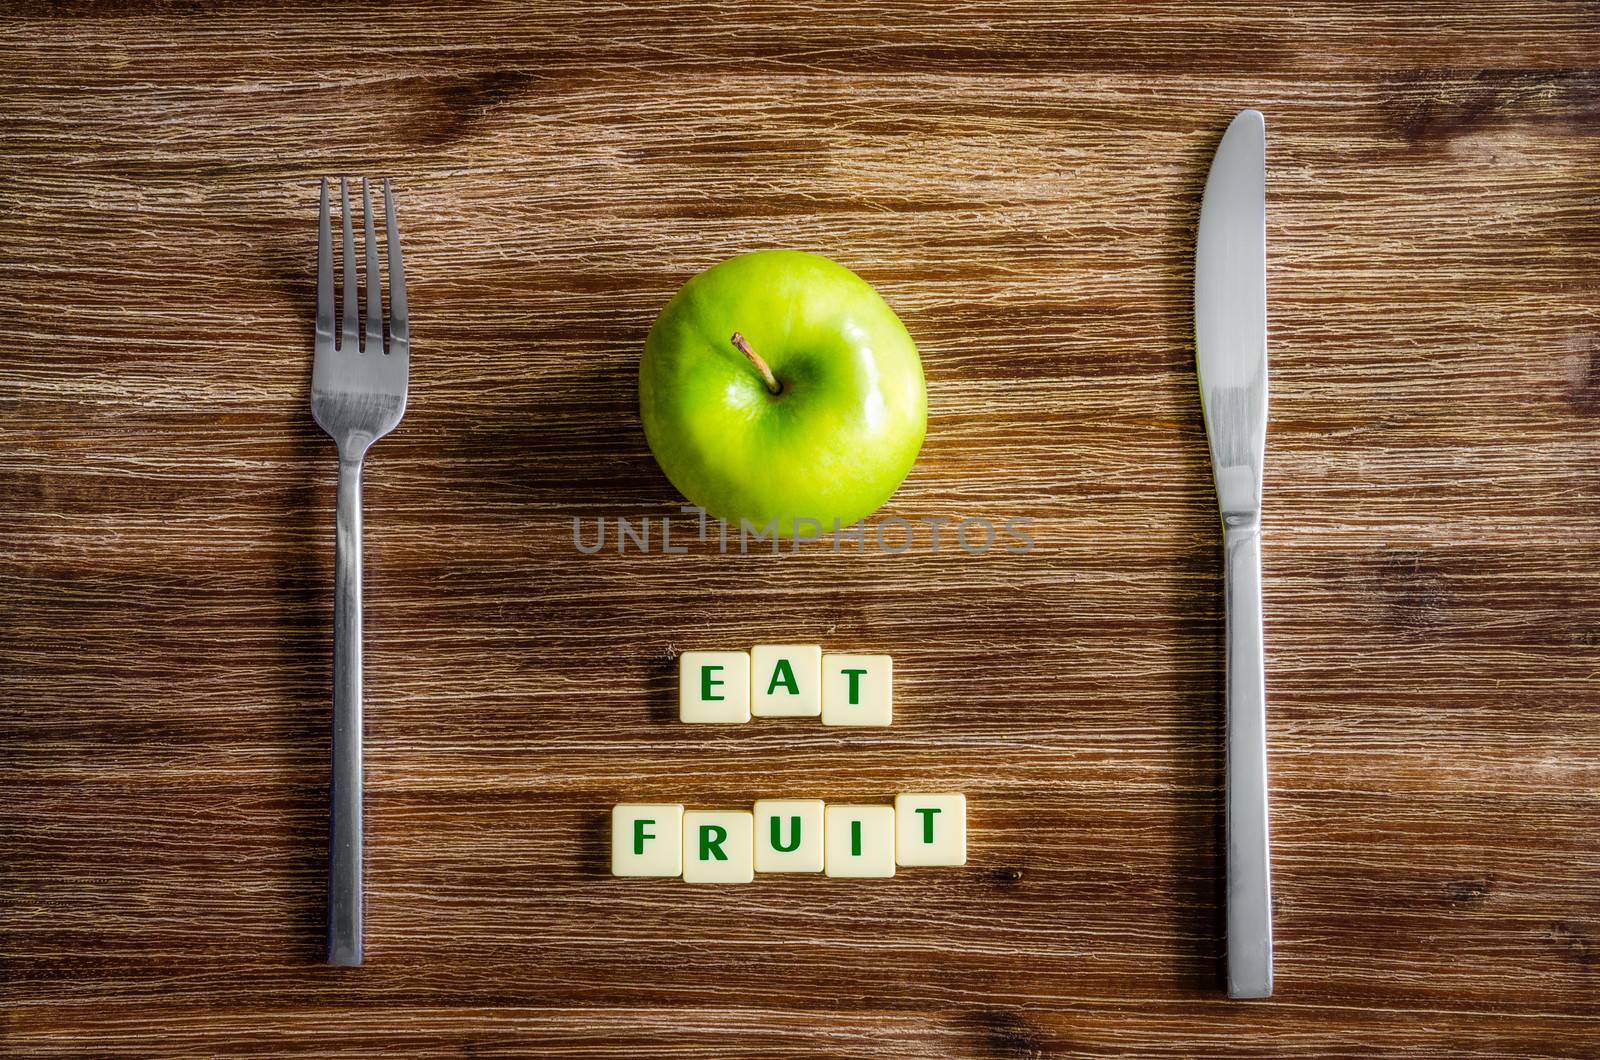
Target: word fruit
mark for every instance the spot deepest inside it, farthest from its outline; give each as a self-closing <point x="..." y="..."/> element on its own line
<point x="788" y="835"/>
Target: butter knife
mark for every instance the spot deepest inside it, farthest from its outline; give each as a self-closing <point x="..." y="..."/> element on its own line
<point x="1230" y="324"/>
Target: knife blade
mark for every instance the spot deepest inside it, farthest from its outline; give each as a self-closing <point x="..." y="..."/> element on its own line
<point x="1230" y="321"/>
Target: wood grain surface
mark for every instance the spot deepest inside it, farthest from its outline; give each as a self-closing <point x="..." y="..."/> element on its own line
<point x="1021" y="181"/>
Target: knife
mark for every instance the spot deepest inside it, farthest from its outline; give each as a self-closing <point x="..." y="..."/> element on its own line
<point x="1230" y="327"/>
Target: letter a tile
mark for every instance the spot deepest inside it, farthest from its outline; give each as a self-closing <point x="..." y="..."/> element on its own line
<point x="786" y="680"/>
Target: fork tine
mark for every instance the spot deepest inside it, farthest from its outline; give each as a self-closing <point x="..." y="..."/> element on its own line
<point x="374" y="279"/>
<point x="349" y="342"/>
<point x="399" y="322"/>
<point x="324" y="272"/>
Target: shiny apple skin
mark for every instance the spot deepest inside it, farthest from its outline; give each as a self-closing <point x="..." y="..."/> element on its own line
<point x="834" y="444"/>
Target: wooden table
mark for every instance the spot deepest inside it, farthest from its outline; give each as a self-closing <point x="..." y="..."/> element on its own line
<point x="1021" y="180"/>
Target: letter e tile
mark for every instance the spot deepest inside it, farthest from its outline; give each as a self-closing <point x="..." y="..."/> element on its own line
<point x="714" y="687"/>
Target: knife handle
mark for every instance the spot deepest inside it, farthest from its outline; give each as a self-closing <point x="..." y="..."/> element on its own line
<point x="1249" y="862"/>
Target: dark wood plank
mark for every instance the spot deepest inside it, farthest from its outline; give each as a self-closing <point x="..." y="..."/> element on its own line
<point x="1021" y="180"/>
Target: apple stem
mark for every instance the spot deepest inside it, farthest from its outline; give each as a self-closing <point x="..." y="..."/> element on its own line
<point x="767" y="377"/>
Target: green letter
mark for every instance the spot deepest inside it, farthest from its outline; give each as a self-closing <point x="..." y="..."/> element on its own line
<point x="927" y="821"/>
<point x="707" y="683"/>
<point x="777" y="835"/>
<point x="855" y="839"/>
<point x="855" y="685"/>
<point x="711" y="849"/>
<point x="783" y="674"/>
<point x="640" y="835"/>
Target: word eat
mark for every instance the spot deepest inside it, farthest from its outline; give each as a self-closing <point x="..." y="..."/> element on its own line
<point x="785" y="681"/>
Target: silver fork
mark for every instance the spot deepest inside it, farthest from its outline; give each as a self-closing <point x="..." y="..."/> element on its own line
<point x="358" y="394"/>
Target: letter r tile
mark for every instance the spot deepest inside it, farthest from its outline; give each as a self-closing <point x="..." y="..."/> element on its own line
<point x="718" y="846"/>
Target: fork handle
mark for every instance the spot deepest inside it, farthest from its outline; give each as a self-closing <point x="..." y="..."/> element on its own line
<point x="1249" y="864"/>
<point x="344" y="831"/>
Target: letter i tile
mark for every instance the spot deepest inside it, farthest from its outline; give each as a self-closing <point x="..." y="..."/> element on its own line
<point x="859" y="841"/>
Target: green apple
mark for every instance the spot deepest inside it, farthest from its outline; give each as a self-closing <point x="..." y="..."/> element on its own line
<point x="779" y="386"/>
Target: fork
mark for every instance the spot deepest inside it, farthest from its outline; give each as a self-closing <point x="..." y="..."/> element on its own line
<point x="358" y="394"/>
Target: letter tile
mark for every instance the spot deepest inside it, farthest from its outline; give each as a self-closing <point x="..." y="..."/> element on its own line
<point x="930" y="829"/>
<point x="647" y="839"/>
<point x="857" y="690"/>
<point x="859" y="840"/>
<point x="718" y="846"/>
<point x="786" y="680"/>
<point x="789" y="835"/>
<point x="714" y="687"/>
